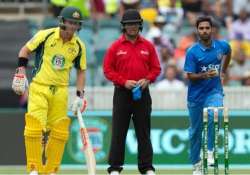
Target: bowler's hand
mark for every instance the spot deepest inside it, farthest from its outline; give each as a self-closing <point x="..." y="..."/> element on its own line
<point x="212" y="73"/>
<point x="143" y="83"/>
<point x="129" y="84"/>
<point x="20" y="82"/>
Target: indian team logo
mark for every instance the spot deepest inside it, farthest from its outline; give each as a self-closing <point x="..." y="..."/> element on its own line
<point x="98" y="132"/>
<point x="58" y="62"/>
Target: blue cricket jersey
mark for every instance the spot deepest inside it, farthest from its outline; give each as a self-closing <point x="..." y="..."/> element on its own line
<point x="201" y="59"/>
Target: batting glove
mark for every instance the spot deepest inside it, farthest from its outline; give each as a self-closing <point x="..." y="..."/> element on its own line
<point x="20" y="83"/>
<point x="79" y="103"/>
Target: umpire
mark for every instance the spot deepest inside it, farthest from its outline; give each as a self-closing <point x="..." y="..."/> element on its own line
<point x="131" y="63"/>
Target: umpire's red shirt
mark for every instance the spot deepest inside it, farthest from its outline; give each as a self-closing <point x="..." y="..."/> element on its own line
<point x="125" y="60"/>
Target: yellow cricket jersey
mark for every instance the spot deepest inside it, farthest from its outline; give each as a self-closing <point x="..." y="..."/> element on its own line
<point x="166" y="3"/>
<point x="54" y="58"/>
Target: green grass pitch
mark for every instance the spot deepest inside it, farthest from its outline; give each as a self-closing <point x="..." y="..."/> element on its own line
<point x="20" y="170"/>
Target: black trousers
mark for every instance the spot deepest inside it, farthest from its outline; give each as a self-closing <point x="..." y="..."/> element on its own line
<point x="124" y="108"/>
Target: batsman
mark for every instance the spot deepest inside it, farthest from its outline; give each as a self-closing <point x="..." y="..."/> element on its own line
<point x="57" y="50"/>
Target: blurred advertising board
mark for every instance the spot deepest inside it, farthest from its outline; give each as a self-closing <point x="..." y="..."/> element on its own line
<point x="169" y="135"/>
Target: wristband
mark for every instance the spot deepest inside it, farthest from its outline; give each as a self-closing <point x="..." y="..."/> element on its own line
<point x="79" y="93"/>
<point x="22" y="62"/>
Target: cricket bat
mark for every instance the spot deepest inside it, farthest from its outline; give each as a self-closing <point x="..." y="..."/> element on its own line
<point x="87" y="147"/>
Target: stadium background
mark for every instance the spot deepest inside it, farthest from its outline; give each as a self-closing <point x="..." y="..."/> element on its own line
<point x="171" y="25"/>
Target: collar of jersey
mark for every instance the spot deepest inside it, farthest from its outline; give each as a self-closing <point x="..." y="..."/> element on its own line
<point x="57" y="36"/>
<point x="203" y="48"/>
<point x="123" y="39"/>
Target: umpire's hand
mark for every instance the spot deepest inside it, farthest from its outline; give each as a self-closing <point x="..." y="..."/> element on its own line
<point x="129" y="84"/>
<point x="143" y="83"/>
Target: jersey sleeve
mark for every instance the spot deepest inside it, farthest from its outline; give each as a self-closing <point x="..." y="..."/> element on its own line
<point x="109" y="67"/>
<point x="36" y="40"/>
<point x="155" y="67"/>
<point x="190" y="63"/>
<point x="80" y="60"/>
<point x="226" y="47"/>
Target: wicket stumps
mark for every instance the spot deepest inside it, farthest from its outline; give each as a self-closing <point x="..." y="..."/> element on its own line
<point x="215" y="111"/>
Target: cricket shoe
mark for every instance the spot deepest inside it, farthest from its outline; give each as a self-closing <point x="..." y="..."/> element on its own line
<point x="197" y="169"/>
<point x="33" y="173"/>
<point x="150" y="172"/>
<point x="210" y="158"/>
<point x="114" y="173"/>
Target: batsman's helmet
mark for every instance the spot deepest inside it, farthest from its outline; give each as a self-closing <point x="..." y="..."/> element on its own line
<point x="71" y="14"/>
<point x="131" y="16"/>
